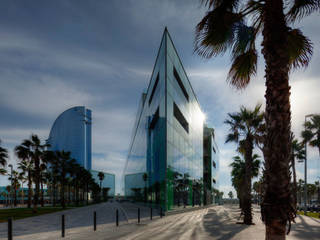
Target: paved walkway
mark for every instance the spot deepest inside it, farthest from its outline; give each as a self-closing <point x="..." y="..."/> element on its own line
<point x="218" y="222"/>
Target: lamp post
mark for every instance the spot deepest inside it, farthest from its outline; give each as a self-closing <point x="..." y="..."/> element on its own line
<point x="305" y="166"/>
<point x="10" y="194"/>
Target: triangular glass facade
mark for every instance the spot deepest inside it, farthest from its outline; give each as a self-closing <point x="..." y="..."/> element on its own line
<point x="165" y="160"/>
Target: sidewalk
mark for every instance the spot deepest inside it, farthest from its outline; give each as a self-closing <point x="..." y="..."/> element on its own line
<point x="217" y="222"/>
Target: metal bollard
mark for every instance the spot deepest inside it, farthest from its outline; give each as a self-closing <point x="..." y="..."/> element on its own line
<point x="94" y="221"/>
<point x="62" y="226"/>
<point x="117" y="217"/>
<point x="151" y="213"/>
<point x="138" y="215"/>
<point x="160" y="212"/>
<point x="10" y="228"/>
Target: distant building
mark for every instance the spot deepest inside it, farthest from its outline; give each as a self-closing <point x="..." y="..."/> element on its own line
<point x="210" y="166"/>
<point x="107" y="183"/>
<point x="165" y="164"/>
<point x="71" y="132"/>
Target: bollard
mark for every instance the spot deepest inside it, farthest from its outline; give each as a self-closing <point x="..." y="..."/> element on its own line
<point x="138" y="215"/>
<point x="117" y="218"/>
<point x="151" y="213"/>
<point x="10" y="228"/>
<point x="62" y="226"/>
<point x="94" y="221"/>
<point x="160" y="212"/>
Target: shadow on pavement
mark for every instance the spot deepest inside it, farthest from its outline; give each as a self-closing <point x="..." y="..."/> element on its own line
<point x="303" y="230"/>
<point x="222" y="224"/>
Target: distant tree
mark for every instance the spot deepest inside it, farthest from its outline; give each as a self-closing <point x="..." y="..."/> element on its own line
<point x="297" y="153"/>
<point x="238" y="173"/>
<point x="230" y="194"/>
<point x="23" y="152"/>
<point x="312" y="133"/>
<point x="3" y="159"/>
<point x="14" y="178"/>
<point x="101" y="177"/>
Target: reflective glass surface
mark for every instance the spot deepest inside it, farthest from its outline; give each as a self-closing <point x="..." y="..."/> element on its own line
<point x="165" y="160"/>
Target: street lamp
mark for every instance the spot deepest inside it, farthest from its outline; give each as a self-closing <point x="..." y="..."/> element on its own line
<point x="10" y="165"/>
<point x="305" y="166"/>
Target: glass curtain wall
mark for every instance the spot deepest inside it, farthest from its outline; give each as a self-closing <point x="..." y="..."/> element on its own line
<point x="184" y="136"/>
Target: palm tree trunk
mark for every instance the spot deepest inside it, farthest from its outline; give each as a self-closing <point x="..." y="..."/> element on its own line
<point x="69" y="193"/>
<point x="87" y="197"/>
<point x="29" y="189"/>
<point x="54" y="189"/>
<point x="293" y="166"/>
<point x="62" y="192"/>
<point x="276" y="209"/>
<point x="42" y="200"/>
<point x="37" y="178"/>
<point x="15" y="195"/>
<point x="247" y="183"/>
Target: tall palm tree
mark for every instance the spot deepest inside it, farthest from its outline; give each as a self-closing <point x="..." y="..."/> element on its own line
<point x="246" y="130"/>
<point x="14" y="178"/>
<point x="298" y="153"/>
<point x="312" y="133"/>
<point x="101" y="177"/>
<point x="35" y="151"/>
<point x="63" y="161"/>
<point x="235" y="24"/>
<point x="25" y="164"/>
<point x="3" y="159"/>
<point x="238" y="167"/>
<point x="22" y="179"/>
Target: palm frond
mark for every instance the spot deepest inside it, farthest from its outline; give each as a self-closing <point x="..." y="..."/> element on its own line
<point x="227" y="4"/>
<point x="215" y="32"/>
<point x="243" y="68"/>
<point x="299" y="49"/>
<point x="302" y="8"/>
<point x="244" y="40"/>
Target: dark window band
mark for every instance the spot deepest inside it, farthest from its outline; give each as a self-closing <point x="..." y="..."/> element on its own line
<point x="154" y="89"/>
<point x="181" y="119"/>
<point x="178" y="79"/>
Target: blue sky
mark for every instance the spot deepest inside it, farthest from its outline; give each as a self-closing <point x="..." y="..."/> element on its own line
<point x="59" y="54"/>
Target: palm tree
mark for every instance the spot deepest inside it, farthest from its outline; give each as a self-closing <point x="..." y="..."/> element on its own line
<point x="230" y="194"/>
<point x="312" y="133"/>
<point x="34" y="150"/>
<point x="235" y="24"/>
<point x="14" y="178"/>
<point x="25" y="164"/>
<point x="22" y="179"/>
<point x="63" y="161"/>
<point x="238" y="167"/>
<point x="298" y="153"/>
<point x="245" y="129"/>
<point x="101" y="177"/>
<point x="3" y="159"/>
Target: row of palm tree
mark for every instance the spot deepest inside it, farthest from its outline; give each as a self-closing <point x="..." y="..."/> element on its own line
<point x="247" y="129"/>
<point x="56" y="170"/>
<point x="236" y="25"/>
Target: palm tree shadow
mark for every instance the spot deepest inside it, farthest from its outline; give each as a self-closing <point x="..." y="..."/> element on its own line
<point x="222" y="224"/>
<point x="305" y="230"/>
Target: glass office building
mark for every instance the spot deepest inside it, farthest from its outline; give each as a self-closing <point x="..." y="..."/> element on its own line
<point x="107" y="183"/>
<point x="165" y="160"/>
<point x="71" y="132"/>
